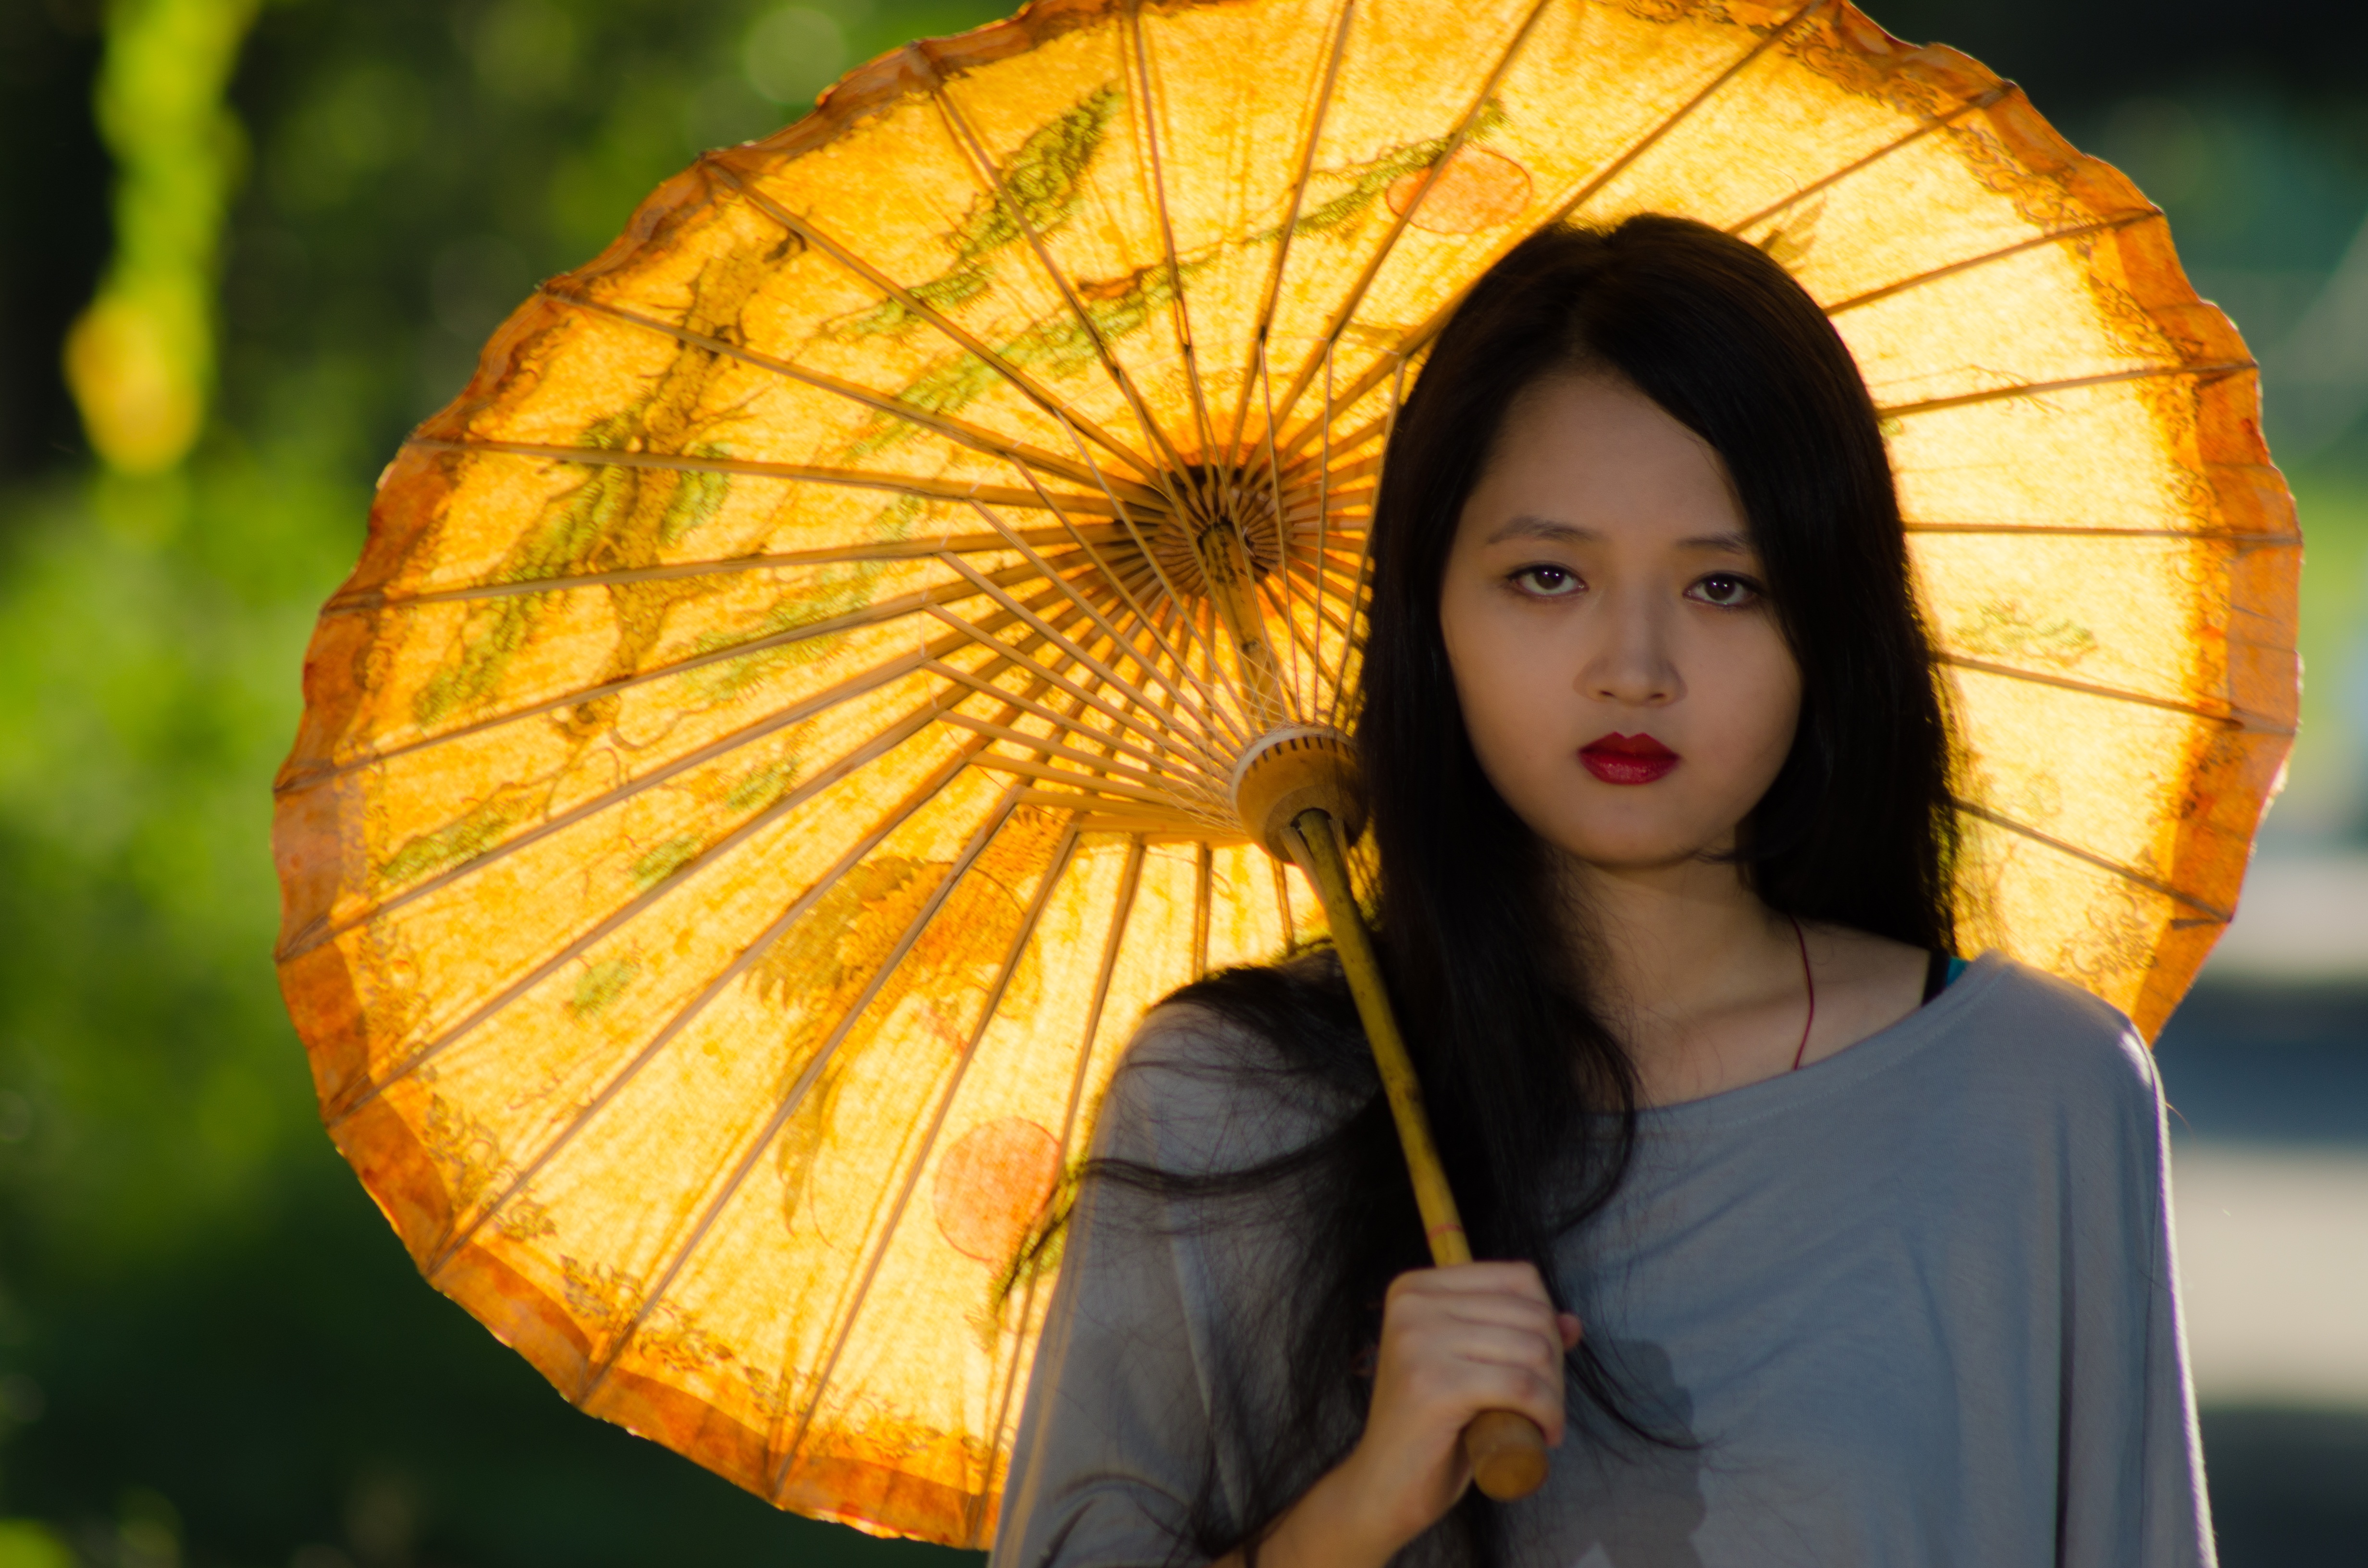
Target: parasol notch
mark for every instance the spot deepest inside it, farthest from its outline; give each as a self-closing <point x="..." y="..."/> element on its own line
<point x="1295" y="768"/>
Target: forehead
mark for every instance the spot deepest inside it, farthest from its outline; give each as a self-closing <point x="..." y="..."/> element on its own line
<point x="1590" y="457"/>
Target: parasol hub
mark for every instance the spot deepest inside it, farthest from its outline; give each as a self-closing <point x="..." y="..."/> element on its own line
<point x="1293" y="768"/>
<point x="1221" y="519"/>
<point x="1210" y="500"/>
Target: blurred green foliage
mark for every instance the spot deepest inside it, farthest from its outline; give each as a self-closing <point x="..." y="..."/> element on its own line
<point x="140" y="360"/>
<point x="210" y="1350"/>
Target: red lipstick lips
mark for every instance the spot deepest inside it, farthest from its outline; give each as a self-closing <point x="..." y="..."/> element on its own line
<point x="1627" y="759"/>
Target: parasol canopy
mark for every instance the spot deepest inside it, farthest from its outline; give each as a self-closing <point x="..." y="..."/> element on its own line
<point x="782" y="730"/>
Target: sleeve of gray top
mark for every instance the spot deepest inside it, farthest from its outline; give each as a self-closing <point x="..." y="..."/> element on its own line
<point x="1113" y="1439"/>
<point x="2133" y="1484"/>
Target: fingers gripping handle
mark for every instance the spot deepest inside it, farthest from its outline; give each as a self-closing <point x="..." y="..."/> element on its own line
<point x="1507" y="1451"/>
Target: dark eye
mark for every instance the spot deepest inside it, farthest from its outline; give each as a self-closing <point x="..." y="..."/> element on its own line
<point x="1547" y="582"/>
<point x="1725" y="590"/>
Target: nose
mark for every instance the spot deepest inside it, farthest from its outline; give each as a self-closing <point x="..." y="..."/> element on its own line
<point x="1629" y="658"/>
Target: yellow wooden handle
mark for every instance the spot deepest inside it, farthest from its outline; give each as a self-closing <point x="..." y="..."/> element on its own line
<point x="1508" y="1454"/>
<point x="1507" y="1451"/>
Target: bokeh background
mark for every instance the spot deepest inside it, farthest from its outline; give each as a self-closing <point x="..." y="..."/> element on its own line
<point x="260" y="240"/>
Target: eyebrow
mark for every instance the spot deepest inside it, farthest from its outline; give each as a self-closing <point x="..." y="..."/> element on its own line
<point x="1527" y="526"/>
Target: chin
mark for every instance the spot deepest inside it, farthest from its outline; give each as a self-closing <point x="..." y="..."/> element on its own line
<point x="1639" y="852"/>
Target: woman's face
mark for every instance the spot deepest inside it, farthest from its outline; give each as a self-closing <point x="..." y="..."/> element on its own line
<point x="1623" y="677"/>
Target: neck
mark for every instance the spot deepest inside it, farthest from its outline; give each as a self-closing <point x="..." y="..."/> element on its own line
<point x="1667" y="944"/>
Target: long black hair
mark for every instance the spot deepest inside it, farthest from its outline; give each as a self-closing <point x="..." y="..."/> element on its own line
<point x="1531" y="1094"/>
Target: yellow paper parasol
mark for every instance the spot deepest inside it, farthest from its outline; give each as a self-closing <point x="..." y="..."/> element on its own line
<point x="783" y="730"/>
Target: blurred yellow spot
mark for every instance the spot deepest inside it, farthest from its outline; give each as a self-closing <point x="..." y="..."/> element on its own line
<point x="136" y="381"/>
<point x="140" y="361"/>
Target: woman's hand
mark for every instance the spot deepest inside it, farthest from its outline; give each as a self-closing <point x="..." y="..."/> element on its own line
<point x="1454" y="1342"/>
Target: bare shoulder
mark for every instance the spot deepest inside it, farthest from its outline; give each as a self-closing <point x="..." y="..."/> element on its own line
<point x="1865" y="984"/>
<point x="1853" y="957"/>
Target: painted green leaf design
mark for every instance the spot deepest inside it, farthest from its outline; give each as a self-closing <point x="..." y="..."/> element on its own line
<point x="616" y="518"/>
<point x="1358" y="185"/>
<point x="1040" y="187"/>
<point x="1056" y="347"/>
<point x="698" y="498"/>
<point x="456" y="842"/>
<point x="666" y="859"/>
<point x="600" y="985"/>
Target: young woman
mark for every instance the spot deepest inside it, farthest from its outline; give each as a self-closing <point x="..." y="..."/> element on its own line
<point x="1871" y="1256"/>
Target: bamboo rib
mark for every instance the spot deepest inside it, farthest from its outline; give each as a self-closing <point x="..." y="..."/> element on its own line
<point x="1009" y="1379"/>
<point x="875" y="614"/>
<point x="1086" y="784"/>
<point x="679" y="1253"/>
<point x="1323" y="518"/>
<point x="1818" y="187"/>
<point x="852" y="1301"/>
<point x="1299" y="182"/>
<point x="967" y="138"/>
<point x="2068" y="383"/>
<point x="2233" y="717"/>
<point x="771" y="724"/>
<point x="1133" y="883"/>
<point x="2106" y="863"/>
<point x="1053" y="872"/>
<point x="888" y="403"/>
<point x="1138" y="783"/>
<point x="1299" y="689"/>
<point x="1146" y="100"/>
<point x="1190" y="757"/>
<point x="783" y="561"/>
<point x="758" y="467"/>
<point x="1141" y="544"/>
<point x="921" y="311"/>
<point x="1073" y="650"/>
<point x="1125" y="533"/>
<point x="1354" y="297"/>
<point x="2086" y="530"/>
<point x="1076" y="652"/>
<point x="1365" y="560"/>
<point x="1189" y="777"/>
<point x="1596" y="180"/>
<point x="870" y="680"/>
<point x="1017" y="543"/>
<point x="2037" y="242"/>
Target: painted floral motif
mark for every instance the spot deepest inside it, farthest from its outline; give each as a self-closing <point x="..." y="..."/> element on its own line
<point x="2004" y="628"/>
<point x="819" y="971"/>
<point x="1792" y="236"/>
<point x="470" y="1152"/>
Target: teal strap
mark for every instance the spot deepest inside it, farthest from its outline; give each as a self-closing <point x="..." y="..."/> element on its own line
<point x="1956" y="968"/>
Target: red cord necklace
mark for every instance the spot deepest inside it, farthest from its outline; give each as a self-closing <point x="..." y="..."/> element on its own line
<point x="1808" y="978"/>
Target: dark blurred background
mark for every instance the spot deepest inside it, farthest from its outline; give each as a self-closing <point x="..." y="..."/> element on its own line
<point x="285" y="229"/>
